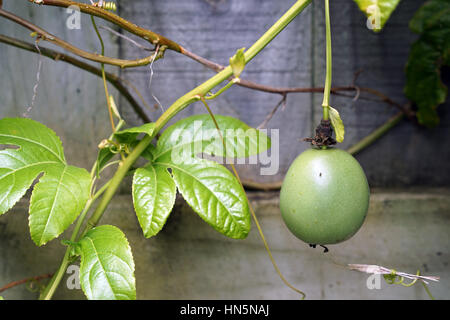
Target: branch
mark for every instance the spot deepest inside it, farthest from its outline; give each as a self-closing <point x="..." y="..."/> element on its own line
<point x="115" y="80"/>
<point x="157" y="39"/>
<point x="44" y="35"/>
<point x="376" y="134"/>
<point x="16" y="283"/>
<point x="145" y="34"/>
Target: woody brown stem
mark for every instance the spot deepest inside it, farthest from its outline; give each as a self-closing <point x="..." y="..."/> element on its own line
<point x="17" y="283"/>
<point x="44" y="35"/>
<point x="148" y="35"/>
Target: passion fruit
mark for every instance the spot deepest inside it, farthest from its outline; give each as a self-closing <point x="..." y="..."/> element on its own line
<point x="325" y="196"/>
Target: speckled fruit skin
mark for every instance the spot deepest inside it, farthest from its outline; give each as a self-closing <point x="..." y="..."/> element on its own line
<point x="325" y="196"/>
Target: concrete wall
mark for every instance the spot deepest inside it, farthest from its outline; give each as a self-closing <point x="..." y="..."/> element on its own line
<point x="189" y="260"/>
<point x="405" y="229"/>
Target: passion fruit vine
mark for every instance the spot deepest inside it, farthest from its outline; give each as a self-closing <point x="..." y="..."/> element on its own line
<point x="325" y="196"/>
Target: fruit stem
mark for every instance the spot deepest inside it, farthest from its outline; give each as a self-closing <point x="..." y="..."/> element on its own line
<point x="327" y="88"/>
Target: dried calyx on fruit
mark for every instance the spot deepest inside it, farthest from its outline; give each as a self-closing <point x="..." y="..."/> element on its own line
<point x="324" y="135"/>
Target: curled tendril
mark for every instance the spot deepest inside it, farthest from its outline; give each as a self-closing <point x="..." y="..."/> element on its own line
<point x="392" y="279"/>
<point x="34" y="286"/>
<point x="113" y="146"/>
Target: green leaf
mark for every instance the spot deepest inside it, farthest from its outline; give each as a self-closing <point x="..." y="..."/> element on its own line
<point x="131" y="134"/>
<point x="61" y="192"/>
<point x="337" y="124"/>
<point x="377" y="11"/>
<point x="424" y="85"/>
<point x="196" y="134"/>
<point x="237" y="62"/>
<point x="214" y="193"/>
<point x="107" y="267"/>
<point x="154" y="194"/>
<point x="103" y="157"/>
<point x="209" y="188"/>
<point x="426" y="58"/>
<point x="431" y="15"/>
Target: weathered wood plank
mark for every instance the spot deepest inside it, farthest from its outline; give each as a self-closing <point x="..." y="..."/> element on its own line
<point x="408" y="155"/>
<point x="69" y="100"/>
<point x="215" y="30"/>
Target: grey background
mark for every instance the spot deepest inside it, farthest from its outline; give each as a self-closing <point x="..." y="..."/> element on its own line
<point x="406" y="228"/>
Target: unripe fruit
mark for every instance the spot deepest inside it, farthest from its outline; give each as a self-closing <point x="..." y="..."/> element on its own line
<point x="325" y="196"/>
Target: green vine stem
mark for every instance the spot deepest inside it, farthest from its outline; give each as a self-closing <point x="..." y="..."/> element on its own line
<point x="327" y="88"/>
<point x="186" y="100"/>
<point x="102" y="66"/>
<point x="148" y="35"/>
<point x="57" y="277"/>
<point x="376" y="134"/>
<point x="176" y="107"/>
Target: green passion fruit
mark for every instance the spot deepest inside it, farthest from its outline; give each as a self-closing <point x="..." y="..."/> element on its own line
<point x="325" y="196"/>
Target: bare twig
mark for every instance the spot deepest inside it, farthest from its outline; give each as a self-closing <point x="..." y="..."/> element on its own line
<point x="17" y="283"/>
<point x="274" y="110"/>
<point x="157" y="39"/>
<point x="44" y="35"/>
<point x="145" y="34"/>
<point x="118" y="34"/>
<point x="115" y="80"/>
<point x="171" y="45"/>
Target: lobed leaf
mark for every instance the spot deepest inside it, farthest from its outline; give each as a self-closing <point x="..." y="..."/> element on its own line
<point x="61" y="192"/>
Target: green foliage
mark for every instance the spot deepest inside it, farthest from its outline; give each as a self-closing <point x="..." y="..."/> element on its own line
<point x="237" y="62"/>
<point x="214" y="193"/>
<point x="103" y="157"/>
<point x="378" y="11"/>
<point x="154" y="194"/>
<point x="209" y="188"/>
<point x="61" y="192"/>
<point x="426" y="58"/>
<point x="337" y="124"/>
<point x="107" y="266"/>
<point x="198" y="134"/>
<point x="129" y="135"/>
